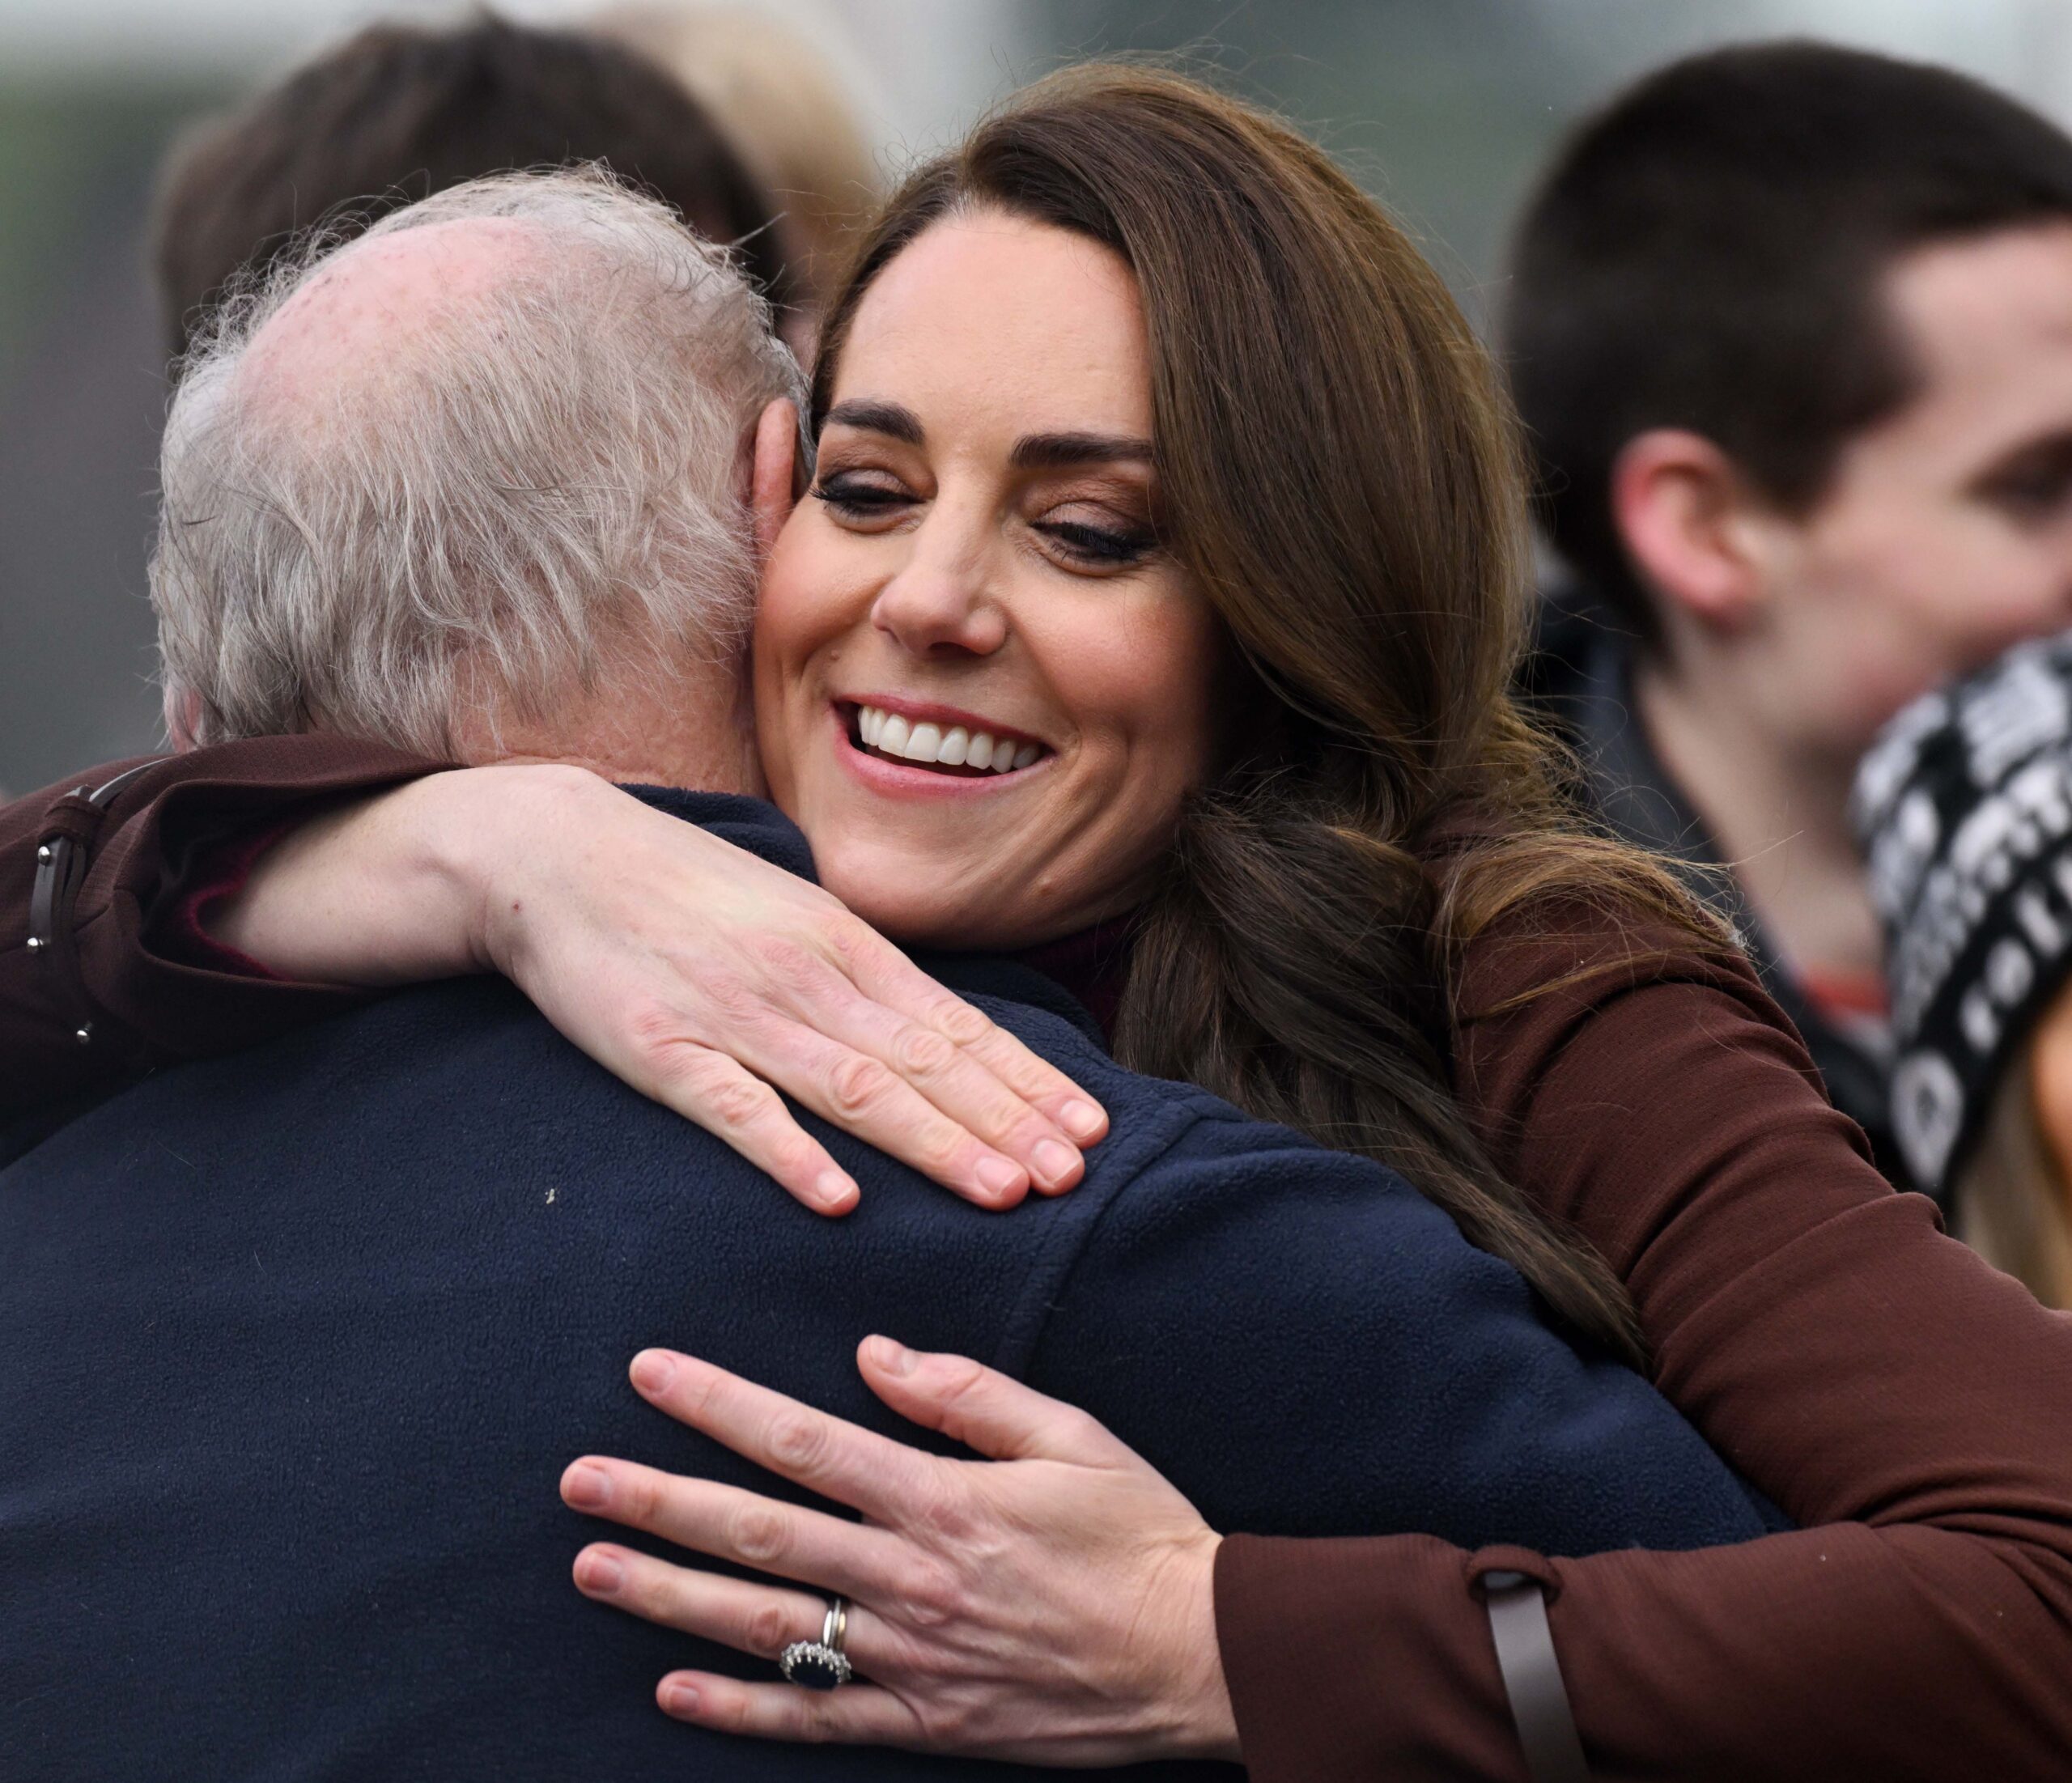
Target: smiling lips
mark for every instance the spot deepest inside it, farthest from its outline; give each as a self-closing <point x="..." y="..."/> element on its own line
<point x="952" y="749"/>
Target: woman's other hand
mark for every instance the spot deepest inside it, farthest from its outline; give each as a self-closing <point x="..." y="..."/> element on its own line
<point x="704" y="976"/>
<point x="1053" y="1606"/>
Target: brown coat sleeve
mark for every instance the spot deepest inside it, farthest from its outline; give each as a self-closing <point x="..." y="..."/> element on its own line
<point x="1907" y="1405"/>
<point x="143" y="1006"/>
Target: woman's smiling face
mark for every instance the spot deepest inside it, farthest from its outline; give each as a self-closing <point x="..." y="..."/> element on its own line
<point x="982" y="689"/>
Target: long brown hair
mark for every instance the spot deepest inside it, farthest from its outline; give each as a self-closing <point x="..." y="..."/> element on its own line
<point x="1339" y="472"/>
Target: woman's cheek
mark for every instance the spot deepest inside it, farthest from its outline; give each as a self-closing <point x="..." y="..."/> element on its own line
<point x="794" y="621"/>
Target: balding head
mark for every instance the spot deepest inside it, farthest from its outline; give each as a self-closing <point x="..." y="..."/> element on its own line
<point x="372" y="302"/>
<point x="465" y="475"/>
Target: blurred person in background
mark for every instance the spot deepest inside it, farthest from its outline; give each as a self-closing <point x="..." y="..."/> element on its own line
<point x="1790" y="330"/>
<point x="398" y="112"/>
<point x="1964" y="807"/>
<point x="1364" y="933"/>
<point x="791" y="113"/>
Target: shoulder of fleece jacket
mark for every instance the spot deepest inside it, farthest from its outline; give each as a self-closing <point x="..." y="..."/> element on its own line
<point x="1307" y="1346"/>
<point x="144" y="1009"/>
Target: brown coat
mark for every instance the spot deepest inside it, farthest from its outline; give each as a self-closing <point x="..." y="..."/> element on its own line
<point x="1908" y="1405"/>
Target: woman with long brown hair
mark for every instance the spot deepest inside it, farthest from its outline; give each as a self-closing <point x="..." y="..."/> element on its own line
<point x="1365" y="912"/>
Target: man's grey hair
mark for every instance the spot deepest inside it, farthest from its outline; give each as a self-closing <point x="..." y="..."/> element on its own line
<point x="528" y="494"/>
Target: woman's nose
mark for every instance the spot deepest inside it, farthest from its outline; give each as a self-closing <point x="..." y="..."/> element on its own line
<point x="941" y="602"/>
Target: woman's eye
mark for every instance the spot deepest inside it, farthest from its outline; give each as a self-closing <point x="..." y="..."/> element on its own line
<point x="1105" y="547"/>
<point x="854" y="497"/>
<point x="2034" y="497"/>
<point x="2035" y="487"/>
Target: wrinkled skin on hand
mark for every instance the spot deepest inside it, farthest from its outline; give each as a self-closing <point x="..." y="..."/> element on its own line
<point x="1053" y="1605"/>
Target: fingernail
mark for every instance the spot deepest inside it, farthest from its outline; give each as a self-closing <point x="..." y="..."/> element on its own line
<point x="1052" y="1161"/>
<point x="1082" y="1120"/>
<point x="680" y="1700"/>
<point x="893" y="1358"/>
<point x="652" y="1371"/>
<point x="587" y="1488"/>
<point x="833" y="1189"/>
<point x="600" y="1573"/>
<point x="997" y="1176"/>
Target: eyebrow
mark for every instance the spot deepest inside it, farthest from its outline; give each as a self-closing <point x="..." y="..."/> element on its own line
<point x="1061" y="451"/>
<point x="888" y="419"/>
<point x="1033" y="452"/>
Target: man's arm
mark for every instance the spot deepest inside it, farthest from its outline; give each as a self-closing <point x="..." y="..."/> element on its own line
<point x="116" y="836"/>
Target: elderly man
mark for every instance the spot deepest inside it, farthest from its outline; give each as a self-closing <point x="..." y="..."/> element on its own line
<point x="299" y="1340"/>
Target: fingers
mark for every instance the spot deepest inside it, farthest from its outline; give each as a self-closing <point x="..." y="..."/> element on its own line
<point x="761" y="1619"/>
<point x="887" y="975"/>
<point x="738" y="1525"/>
<point x="984" y="1409"/>
<point x="842" y="1461"/>
<point x="907" y="1087"/>
<point x="868" y="1099"/>
<point x="733" y="1103"/>
<point x="1039" y="1083"/>
<point x="855" y="1715"/>
<point x="907" y="1091"/>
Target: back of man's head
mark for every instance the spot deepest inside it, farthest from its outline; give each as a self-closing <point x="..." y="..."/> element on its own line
<point x="1706" y="253"/>
<point x="399" y="112"/>
<point x="462" y="472"/>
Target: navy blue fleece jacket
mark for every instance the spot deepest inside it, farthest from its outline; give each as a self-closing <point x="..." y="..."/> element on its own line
<point x="295" y="1344"/>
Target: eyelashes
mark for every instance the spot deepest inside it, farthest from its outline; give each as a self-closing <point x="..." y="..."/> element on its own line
<point x="848" y="497"/>
<point x="1090" y="546"/>
<point x="1096" y="544"/>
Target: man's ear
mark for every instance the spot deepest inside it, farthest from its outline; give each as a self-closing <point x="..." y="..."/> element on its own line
<point x="773" y="465"/>
<point x="1693" y="526"/>
<point x="183" y="718"/>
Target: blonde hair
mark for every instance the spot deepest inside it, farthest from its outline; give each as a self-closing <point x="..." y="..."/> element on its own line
<point x="786" y="109"/>
<point x="2010" y="1203"/>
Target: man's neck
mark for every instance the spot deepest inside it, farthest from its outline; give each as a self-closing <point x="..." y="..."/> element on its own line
<point x="1778" y="816"/>
<point x="694" y="736"/>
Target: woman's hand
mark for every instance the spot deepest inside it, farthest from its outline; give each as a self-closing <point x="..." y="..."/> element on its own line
<point x="700" y="973"/>
<point x="1054" y="1606"/>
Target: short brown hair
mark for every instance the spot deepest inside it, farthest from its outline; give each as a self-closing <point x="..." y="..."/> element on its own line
<point x="399" y="112"/>
<point x="1706" y="253"/>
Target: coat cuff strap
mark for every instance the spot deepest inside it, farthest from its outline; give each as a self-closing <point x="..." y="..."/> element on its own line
<point x="61" y="859"/>
<point x="1524" y="1639"/>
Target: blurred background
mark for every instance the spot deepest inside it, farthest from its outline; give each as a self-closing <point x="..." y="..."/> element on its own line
<point x="1442" y="108"/>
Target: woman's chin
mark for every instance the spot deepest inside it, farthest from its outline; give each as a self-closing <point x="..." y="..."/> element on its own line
<point x="956" y="923"/>
<point x="920" y="902"/>
<point x="1000" y="903"/>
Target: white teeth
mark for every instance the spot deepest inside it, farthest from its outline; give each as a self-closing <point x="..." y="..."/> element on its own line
<point x="890" y="734"/>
